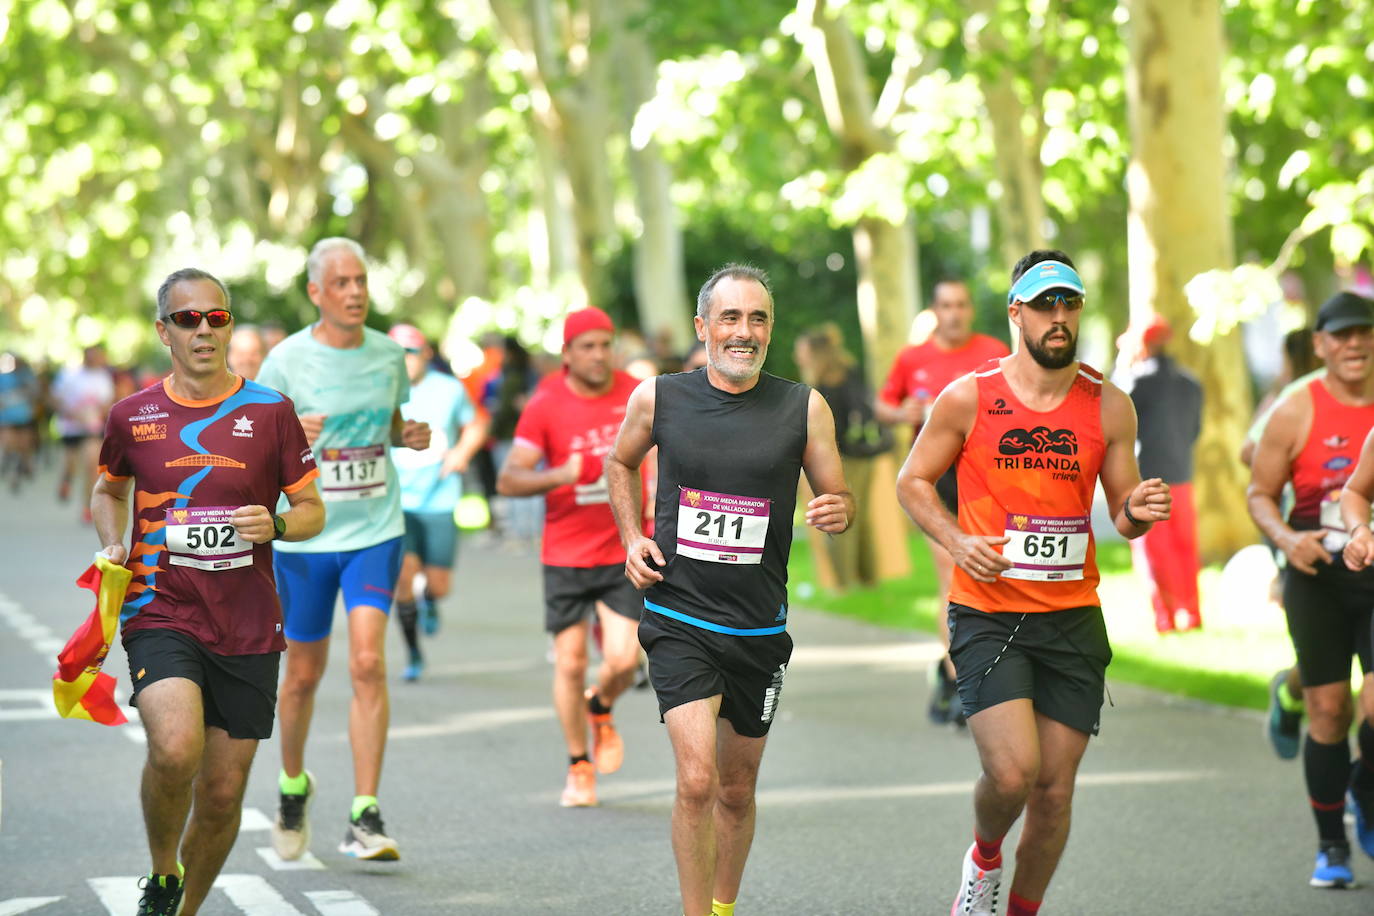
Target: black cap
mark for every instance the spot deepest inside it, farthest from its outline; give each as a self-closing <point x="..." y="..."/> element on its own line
<point x="1345" y="310"/>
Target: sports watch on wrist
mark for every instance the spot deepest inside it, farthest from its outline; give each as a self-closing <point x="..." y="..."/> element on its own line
<point x="278" y="527"/>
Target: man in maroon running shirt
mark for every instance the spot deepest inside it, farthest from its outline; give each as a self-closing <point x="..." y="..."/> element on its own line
<point x="919" y="373"/>
<point x="206" y="453"/>
<point x="570" y="425"/>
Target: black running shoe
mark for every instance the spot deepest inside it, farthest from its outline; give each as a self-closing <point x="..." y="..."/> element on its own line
<point x="161" y="895"/>
<point x="942" y="690"/>
<point x="366" y="838"/>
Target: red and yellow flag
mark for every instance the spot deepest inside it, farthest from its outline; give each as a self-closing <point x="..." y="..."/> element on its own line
<point x="80" y="689"/>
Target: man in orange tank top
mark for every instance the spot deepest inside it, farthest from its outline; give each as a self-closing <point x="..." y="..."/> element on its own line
<point x="1033" y="433"/>
<point x="1313" y="441"/>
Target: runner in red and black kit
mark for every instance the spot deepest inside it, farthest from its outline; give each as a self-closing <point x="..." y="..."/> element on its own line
<point x="206" y="454"/>
<point x="569" y="426"/>
<point x="918" y="375"/>
<point x="732" y="442"/>
<point x="1313" y="440"/>
<point x="1033" y="434"/>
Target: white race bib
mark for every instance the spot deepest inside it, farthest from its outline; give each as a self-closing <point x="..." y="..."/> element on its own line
<point x="204" y="538"/>
<point x="591" y="494"/>
<point x="1335" y="537"/>
<point x="721" y="528"/>
<point x="353" y="473"/>
<point x="1045" y="548"/>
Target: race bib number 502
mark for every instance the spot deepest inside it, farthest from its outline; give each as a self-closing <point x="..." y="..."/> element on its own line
<point x="204" y="538"/>
<point x="720" y="527"/>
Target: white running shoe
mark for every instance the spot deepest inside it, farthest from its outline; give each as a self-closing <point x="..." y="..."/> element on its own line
<point x="291" y="830"/>
<point x="366" y="838"/>
<point x="979" y="889"/>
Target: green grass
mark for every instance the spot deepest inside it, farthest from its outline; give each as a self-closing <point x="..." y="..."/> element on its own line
<point x="1244" y="639"/>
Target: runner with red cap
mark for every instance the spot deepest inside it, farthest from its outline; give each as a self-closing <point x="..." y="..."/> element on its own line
<point x="561" y="443"/>
<point x="431" y="485"/>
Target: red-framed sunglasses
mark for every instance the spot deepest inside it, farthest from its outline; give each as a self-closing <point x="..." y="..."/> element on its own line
<point x="190" y="318"/>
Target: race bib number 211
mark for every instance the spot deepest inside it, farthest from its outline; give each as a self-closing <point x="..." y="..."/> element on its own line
<point x="720" y="527"/>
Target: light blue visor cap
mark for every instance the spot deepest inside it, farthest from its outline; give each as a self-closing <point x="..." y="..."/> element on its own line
<point x="1044" y="276"/>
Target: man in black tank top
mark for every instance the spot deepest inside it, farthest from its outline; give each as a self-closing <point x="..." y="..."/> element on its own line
<point x="732" y="441"/>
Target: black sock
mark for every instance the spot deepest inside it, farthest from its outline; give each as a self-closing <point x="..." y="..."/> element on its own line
<point x="597" y="707"/>
<point x="406" y="613"/>
<point x="1362" y="773"/>
<point x="1327" y="770"/>
<point x="580" y="758"/>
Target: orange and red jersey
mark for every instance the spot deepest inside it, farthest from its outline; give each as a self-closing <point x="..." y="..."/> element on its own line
<point x="1327" y="459"/>
<point x="194" y="463"/>
<point x="1030" y="476"/>
<point x="579" y="529"/>
<point x="924" y="370"/>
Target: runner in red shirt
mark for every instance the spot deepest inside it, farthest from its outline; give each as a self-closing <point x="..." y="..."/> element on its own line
<point x="569" y="426"/>
<point x="206" y="453"/>
<point x="919" y="373"/>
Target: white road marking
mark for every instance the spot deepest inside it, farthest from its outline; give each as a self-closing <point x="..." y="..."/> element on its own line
<point x="42" y="640"/>
<point x="898" y="655"/>
<point x="473" y="722"/>
<point x="340" y="903"/>
<point x="307" y="861"/>
<point x="253" y="819"/>
<point x="250" y="894"/>
<point x="26" y="703"/>
<point x="803" y="795"/>
<point x="254" y="896"/>
<point x="17" y="905"/>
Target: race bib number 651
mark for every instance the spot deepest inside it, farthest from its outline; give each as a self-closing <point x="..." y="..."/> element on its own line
<point x="1046" y="549"/>
<point x="721" y="528"/>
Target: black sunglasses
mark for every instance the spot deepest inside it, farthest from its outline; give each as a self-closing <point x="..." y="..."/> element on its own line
<point x="190" y="318"/>
<point x="1047" y="302"/>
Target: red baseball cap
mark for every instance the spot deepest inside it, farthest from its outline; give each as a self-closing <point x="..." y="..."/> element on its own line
<point x="408" y="336"/>
<point x="581" y="321"/>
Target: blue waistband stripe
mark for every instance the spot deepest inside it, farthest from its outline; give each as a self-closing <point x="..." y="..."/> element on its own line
<point x="708" y="625"/>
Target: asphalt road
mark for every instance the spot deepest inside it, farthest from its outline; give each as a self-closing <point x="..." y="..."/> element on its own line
<point x="864" y="808"/>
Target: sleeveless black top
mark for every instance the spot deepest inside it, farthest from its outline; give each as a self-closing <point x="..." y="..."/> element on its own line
<point x="728" y="466"/>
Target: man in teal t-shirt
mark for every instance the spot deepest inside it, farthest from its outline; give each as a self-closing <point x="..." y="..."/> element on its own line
<point x="431" y="485"/>
<point x="348" y="383"/>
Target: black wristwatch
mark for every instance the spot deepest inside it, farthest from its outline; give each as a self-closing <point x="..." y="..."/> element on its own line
<point x="278" y="527"/>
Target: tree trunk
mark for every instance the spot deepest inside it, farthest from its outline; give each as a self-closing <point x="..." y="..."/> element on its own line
<point x="660" y="281"/>
<point x="1178" y="228"/>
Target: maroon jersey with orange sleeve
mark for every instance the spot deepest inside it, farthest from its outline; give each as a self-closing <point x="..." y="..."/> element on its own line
<point x="579" y="529"/>
<point x="1029" y="476"/>
<point x="193" y="463"/>
<point x="1326" y="461"/>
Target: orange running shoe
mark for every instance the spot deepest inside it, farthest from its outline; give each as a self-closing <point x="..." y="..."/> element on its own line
<point x="608" y="750"/>
<point x="580" y="790"/>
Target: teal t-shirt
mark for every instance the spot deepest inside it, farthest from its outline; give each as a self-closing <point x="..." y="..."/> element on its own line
<point x="357" y="390"/>
<point x="441" y="401"/>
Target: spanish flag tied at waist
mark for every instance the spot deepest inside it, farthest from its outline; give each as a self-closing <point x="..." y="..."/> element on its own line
<point x="80" y="689"/>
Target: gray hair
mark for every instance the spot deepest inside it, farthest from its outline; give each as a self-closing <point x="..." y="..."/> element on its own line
<point x="186" y="274"/>
<point x="314" y="262"/>
<point x="734" y="272"/>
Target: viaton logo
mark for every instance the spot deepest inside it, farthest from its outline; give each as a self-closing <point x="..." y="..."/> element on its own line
<point x="999" y="408"/>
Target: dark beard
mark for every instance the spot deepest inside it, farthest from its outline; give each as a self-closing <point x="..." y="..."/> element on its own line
<point x="1050" y="360"/>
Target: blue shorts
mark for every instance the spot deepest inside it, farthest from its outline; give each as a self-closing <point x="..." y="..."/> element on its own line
<point x="309" y="584"/>
<point x="433" y="537"/>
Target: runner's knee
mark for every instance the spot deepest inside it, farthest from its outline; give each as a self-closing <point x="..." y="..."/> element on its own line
<point x="697" y="785"/>
<point x="366" y="666"/>
<point x="175" y="761"/>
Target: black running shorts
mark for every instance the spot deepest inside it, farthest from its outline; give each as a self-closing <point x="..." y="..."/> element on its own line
<point x="1056" y="659"/>
<point x="571" y="594"/>
<point x="238" y="692"/>
<point x="688" y="663"/>
<point x="1329" y="620"/>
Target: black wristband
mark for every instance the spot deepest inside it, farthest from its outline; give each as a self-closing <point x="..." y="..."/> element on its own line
<point x="1126" y="511"/>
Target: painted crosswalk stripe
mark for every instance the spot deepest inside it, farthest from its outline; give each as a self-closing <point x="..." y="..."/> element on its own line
<point x="254" y="896"/>
<point x="250" y="894"/>
<point x="17" y="905"/>
<point x="307" y="861"/>
<point x="254" y="819"/>
<point x="340" y="903"/>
